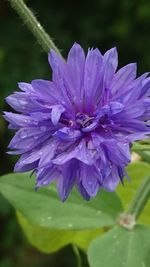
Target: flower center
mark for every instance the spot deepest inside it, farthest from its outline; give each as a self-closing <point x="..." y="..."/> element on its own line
<point x="83" y="119"/>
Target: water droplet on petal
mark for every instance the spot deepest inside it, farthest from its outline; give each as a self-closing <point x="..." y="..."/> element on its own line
<point x="125" y="143"/>
<point x="35" y="137"/>
<point x="35" y="122"/>
<point x="39" y="25"/>
<point x="45" y="117"/>
<point x="43" y="128"/>
<point x="23" y="135"/>
<point x="44" y="182"/>
<point x="40" y="153"/>
<point x="98" y="212"/>
<point x="23" y="102"/>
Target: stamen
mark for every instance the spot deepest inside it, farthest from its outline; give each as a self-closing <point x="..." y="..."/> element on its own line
<point x="83" y="119"/>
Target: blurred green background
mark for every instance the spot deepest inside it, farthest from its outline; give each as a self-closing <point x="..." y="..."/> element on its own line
<point x="97" y="23"/>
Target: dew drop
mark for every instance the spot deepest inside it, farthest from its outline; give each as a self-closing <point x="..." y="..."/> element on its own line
<point x="125" y="143"/>
<point x="70" y="225"/>
<point x="39" y="25"/>
<point x="43" y="128"/>
<point x="45" y="183"/>
<point x="23" y="102"/>
<point x="45" y="117"/>
<point x="35" y="137"/>
<point x="35" y="122"/>
<point x="40" y="153"/>
<point x="98" y="212"/>
<point x="49" y="217"/>
<point x="23" y="135"/>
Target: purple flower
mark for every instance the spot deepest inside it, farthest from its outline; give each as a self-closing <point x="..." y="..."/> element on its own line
<point x="77" y="128"/>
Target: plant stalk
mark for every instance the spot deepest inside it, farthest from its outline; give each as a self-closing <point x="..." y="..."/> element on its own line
<point x="78" y="257"/>
<point x="140" y="198"/>
<point x="34" y="25"/>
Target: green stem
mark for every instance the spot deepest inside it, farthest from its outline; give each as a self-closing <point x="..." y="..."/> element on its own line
<point x="34" y="26"/>
<point x="78" y="257"/>
<point x="140" y="199"/>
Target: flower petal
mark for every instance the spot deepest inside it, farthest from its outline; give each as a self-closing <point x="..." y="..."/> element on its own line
<point x="67" y="134"/>
<point x="110" y="59"/>
<point x="89" y="178"/>
<point x="45" y="176"/>
<point x="123" y="77"/>
<point x="66" y="181"/>
<point x="92" y="70"/>
<point x="110" y="182"/>
<point x="56" y="112"/>
<point x="76" y="62"/>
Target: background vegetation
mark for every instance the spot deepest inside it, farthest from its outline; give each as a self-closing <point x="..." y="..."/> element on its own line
<point x="97" y="23"/>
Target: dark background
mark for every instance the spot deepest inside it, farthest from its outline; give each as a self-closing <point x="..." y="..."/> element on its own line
<point x="96" y="23"/>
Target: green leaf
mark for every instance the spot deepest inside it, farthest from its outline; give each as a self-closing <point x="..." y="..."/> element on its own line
<point x="121" y="247"/>
<point x="145" y="155"/>
<point x="49" y="241"/>
<point x="44" y="208"/>
<point x="137" y="172"/>
<point x="140" y="147"/>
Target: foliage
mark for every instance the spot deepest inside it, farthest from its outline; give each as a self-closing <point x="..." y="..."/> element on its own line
<point x="103" y="24"/>
<point x="49" y="224"/>
<point x="125" y="248"/>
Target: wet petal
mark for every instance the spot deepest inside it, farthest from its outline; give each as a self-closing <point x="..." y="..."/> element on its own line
<point x="56" y="112"/>
<point x="66" y="181"/>
<point x="76" y="62"/>
<point x="67" y="134"/>
<point x="45" y="176"/>
<point x="89" y="178"/>
<point x="92" y="70"/>
<point x="110" y="182"/>
<point x="123" y="76"/>
<point x="110" y="65"/>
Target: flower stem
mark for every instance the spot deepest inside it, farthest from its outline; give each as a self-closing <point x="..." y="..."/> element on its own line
<point x="34" y="26"/>
<point x="78" y="257"/>
<point x="140" y="198"/>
